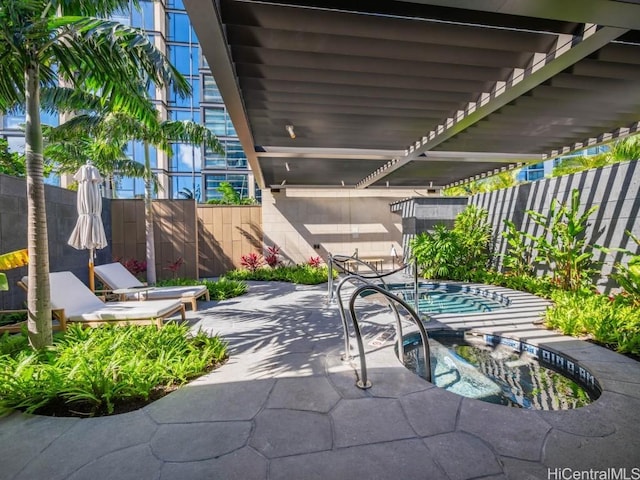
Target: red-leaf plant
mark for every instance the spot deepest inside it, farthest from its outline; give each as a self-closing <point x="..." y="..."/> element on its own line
<point x="272" y="256"/>
<point x="251" y="261"/>
<point x="314" y="261"/>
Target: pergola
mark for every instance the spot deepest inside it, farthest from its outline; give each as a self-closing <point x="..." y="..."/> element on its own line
<point x="420" y="94"/>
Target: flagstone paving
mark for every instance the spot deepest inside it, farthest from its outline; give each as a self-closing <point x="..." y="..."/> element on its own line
<point x="286" y="407"/>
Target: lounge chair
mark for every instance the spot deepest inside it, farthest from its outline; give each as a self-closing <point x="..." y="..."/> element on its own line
<point x="115" y="277"/>
<point x="74" y="302"/>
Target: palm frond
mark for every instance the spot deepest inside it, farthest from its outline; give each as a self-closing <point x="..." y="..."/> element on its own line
<point x="191" y="132"/>
<point x="65" y="99"/>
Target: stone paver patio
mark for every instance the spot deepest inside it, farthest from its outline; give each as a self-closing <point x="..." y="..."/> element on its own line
<point x="285" y="407"/>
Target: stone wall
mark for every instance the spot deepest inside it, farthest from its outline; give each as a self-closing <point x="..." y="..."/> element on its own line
<point x="61" y="219"/>
<point x="614" y="189"/>
<point x="316" y="222"/>
<point x="422" y="214"/>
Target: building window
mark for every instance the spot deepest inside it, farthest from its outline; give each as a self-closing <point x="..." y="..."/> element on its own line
<point x="145" y="18"/>
<point x="233" y="156"/>
<point x="186" y="102"/>
<point x="186" y="187"/>
<point x="182" y="115"/>
<point x="127" y="187"/>
<point x="180" y="57"/>
<point x="238" y="181"/>
<point x="211" y="93"/>
<point x="218" y="121"/>
<point x="177" y="4"/>
<point x="186" y="158"/>
<point x="178" y="27"/>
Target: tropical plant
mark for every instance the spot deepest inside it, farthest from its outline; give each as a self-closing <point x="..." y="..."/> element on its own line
<point x="460" y="253"/>
<point x="610" y="320"/>
<point x="94" y="371"/>
<point x="437" y="253"/>
<point x="314" y="262"/>
<point x="299" y="274"/>
<point x="628" y="276"/>
<point x="230" y="196"/>
<point x="579" y="163"/>
<point x="189" y="194"/>
<point x="121" y="127"/>
<point x="174" y="265"/>
<point x="136" y="267"/>
<point x="626" y="149"/>
<point x="474" y="234"/>
<point x="251" y="261"/>
<point x="519" y="255"/>
<point x="44" y="43"/>
<point x="562" y="244"/>
<point x="272" y="258"/>
<point x="108" y="155"/>
<point x="494" y="182"/>
<point x="11" y="163"/>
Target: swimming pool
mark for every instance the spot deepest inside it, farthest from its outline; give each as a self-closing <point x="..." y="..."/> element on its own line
<point x="502" y="371"/>
<point x="449" y="298"/>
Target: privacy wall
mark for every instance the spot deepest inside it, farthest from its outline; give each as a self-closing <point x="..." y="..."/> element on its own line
<point x="614" y="189"/>
<point x="210" y="239"/>
<point x="306" y="223"/>
<point x="61" y="218"/>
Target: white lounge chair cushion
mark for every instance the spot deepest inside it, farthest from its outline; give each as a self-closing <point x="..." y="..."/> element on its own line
<point x="172" y="292"/>
<point x="116" y="276"/>
<point x="80" y="303"/>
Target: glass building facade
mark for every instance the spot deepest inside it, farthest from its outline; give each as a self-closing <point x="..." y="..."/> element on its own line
<point x="190" y="170"/>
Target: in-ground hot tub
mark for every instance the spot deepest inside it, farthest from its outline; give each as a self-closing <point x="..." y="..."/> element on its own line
<point x="502" y="371"/>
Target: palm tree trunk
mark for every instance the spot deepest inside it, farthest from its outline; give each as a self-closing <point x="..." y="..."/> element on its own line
<point x="38" y="296"/>
<point x="148" y="219"/>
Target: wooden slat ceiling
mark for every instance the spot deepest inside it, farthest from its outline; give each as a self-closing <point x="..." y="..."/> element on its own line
<point x="418" y="78"/>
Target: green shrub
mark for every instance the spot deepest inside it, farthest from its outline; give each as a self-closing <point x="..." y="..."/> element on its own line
<point x="14" y="317"/>
<point x="461" y="253"/>
<point x="541" y="286"/>
<point x="220" y="289"/>
<point x="628" y="276"/>
<point x="519" y="255"/>
<point x="562" y="245"/>
<point x="613" y="321"/>
<point x="299" y="274"/>
<point x="90" y="371"/>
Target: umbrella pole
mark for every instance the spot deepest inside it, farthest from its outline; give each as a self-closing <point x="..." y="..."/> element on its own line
<point x="92" y="283"/>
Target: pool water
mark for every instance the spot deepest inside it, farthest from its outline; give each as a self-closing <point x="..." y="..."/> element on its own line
<point x="469" y="367"/>
<point x="446" y="298"/>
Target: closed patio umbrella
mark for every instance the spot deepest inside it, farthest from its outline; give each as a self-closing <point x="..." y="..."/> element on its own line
<point x="88" y="233"/>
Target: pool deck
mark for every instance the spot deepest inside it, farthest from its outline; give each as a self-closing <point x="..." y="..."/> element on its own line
<point x="285" y="407"/>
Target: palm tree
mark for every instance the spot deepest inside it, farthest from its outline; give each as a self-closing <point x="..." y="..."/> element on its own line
<point x="44" y="43"/>
<point x="121" y="127"/>
<point x="188" y="194"/>
<point x="626" y="149"/>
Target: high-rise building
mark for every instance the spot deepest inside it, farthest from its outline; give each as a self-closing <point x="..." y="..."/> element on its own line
<point x="191" y="170"/>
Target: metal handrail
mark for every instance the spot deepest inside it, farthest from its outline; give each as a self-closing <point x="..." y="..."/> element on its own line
<point x="338" y="259"/>
<point x="364" y="382"/>
<point x="347" y="347"/>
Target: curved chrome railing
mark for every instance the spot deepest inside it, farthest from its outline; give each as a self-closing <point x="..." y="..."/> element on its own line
<point x="364" y="382"/>
<point x="347" y="346"/>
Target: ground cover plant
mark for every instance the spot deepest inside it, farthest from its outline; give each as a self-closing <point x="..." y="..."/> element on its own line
<point x="102" y="371"/>
<point x="271" y="268"/>
<point x="301" y="274"/>
<point x="220" y="289"/>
